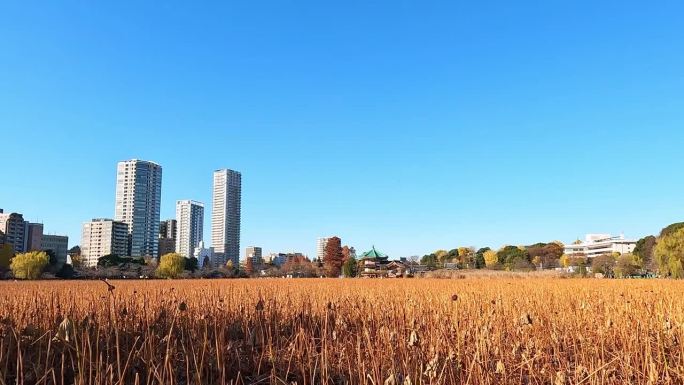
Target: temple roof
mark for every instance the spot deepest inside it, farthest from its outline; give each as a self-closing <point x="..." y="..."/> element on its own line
<point x="373" y="254"/>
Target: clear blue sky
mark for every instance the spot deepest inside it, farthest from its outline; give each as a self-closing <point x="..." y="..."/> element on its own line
<point x="411" y="125"/>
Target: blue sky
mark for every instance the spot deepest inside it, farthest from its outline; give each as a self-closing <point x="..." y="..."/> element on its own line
<point x="411" y="125"/>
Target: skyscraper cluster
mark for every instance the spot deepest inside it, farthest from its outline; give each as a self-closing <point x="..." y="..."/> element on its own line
<point x="136" y="230"/>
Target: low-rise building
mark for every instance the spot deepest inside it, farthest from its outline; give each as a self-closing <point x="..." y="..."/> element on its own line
<point x="600" y="244"/>
<point x="59" y="244"/>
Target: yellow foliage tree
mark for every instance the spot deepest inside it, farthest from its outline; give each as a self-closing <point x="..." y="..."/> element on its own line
<point x="565" y="260"/>
<point x="491" y="258"/>
<point x="6" y="255"/>
<point x="669" y="254"/>
<point x="170" y="265"/>
<point x="29" y="265"/>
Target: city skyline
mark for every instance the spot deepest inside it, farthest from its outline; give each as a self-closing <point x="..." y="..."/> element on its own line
<point x="409" y="125"/>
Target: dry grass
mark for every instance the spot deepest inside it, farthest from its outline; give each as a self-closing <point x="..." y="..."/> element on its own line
<point x="417" y="331"/>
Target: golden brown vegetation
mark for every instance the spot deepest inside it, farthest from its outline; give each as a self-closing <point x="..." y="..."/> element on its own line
<point x="411" y="331"/>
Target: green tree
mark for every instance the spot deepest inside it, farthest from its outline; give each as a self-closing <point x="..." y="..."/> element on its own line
<point x="29" y="265"/>
<point x="479" y="258"/>
<point x="191" y="264"/>
<point x="333" y="257"/>
<point x="350" y="267"/>
<point x="643" y="251"/>
<point x="510" y="256"/>
<point x="671" y="229"/>
<point x="6" y="255"/>
<point x="669" y="254"/>
<point x="170" y="265"/>
<point x="429" y="260"/>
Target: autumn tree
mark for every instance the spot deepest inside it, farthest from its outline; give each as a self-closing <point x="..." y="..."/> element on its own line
<point x="442" y="256"/>
<point x="603" y="264"/>
<point x="626" y="265"/>
<point x="170" y="265"/>
<point x="249" y="266"/>
<point x="29" y="265"/>
<point x="466" y="257"/>
<point x="669" y="253"/>
<point x="564" y="260"/>
<point x="545" y="254"/>
<point x="491" y="258"/>
<point x="333" y="258"/>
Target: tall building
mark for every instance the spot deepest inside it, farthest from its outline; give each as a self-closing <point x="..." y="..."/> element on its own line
<point x="102" y="237"/>
<point x="34" y="236"/>
<point x="190" y="219"/>
<point x="254" y="253"/>
<point x="320" y="247"/>
<point x="138" y="201"/>
<point x="167" y="237"/>
<point x="225" y="216"/>
<point x="59" y="244"/>
<point x="15" y="230"/>
<point x="167" y="229"/>
<point x="599" y="244"/>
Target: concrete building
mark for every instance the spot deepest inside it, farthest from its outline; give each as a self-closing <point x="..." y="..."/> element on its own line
<point x="190" y="219"/>
<point x="59" y="244"/>
<point x="167" y="237"/>
<point x="138" y="201"/>
<point x="34" y="236"/>
<point x="320" y="247"/>
<point x="168" y="229"/>
<point x="15" y="230"/>
<point x="255" y="254"/>
<point x="225" y="216"/>
<point x="102" y="237"/>
<point x="599" y="244"/>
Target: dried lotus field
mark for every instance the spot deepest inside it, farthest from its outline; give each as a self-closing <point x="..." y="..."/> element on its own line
<point x="404" y="331"/>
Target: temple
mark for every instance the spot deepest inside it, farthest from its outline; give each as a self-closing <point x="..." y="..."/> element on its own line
<point x="373" y="264"/>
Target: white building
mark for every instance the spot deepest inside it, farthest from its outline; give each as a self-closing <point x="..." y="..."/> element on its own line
<point x="138" y="201"/>
<point x="189" y="222"/>
<point x="320" y="247"/>
<point x="102" y="237"/>
<point x="225" y="216"/>
<point x="599" y="244"/>
<point x="204" y="256"/>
